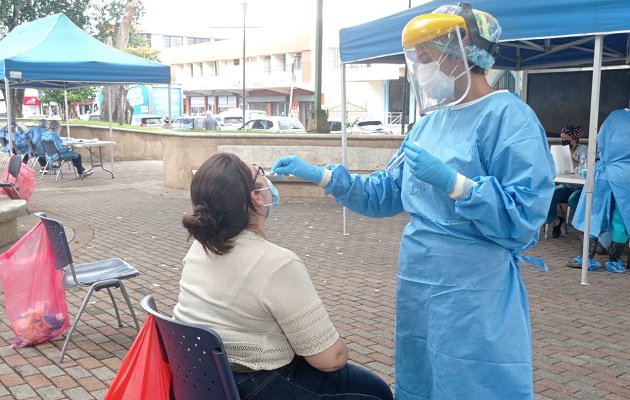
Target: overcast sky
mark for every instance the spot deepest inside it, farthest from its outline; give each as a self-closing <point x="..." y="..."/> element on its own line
<point x="199" y="14"/>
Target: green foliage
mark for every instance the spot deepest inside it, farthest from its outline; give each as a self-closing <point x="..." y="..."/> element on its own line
<point x="82" y="95"/>
<point x="16" y="12"/>
<point x="144" y="52"/>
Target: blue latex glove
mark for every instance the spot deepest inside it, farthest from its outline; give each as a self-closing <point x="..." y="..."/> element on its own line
<point x="294" y="165"/>
<point x="428" y="168"/>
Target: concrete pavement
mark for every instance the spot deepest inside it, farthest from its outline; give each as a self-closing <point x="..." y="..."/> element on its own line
<point x="581" y="333"/>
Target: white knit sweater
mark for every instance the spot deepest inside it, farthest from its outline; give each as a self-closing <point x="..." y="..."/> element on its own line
<point x="260" y="300"/>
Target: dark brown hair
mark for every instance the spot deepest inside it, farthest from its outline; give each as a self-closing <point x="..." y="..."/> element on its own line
<point x="220" y="193"/>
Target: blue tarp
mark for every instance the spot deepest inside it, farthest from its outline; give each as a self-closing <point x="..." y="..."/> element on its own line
<point x="54" y="53"/>
<point x="536" y="33"/>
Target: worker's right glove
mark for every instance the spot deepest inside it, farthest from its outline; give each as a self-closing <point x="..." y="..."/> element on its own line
<point x="428" y="168"/>
<point x="294" y="165"/>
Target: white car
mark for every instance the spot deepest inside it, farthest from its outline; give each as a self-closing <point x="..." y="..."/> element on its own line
<point x="275" y="124"/>
<point x="371" y="127"/>
<point x="151" y="120"/>
<point x="188" y="123"/>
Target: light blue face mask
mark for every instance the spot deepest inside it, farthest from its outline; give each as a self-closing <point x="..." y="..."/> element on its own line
<point x="275" y="197"/>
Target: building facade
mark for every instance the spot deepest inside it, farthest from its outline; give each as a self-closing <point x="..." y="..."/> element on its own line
<point x="279" y="76"/>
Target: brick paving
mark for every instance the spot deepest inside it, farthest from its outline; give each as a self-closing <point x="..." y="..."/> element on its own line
<point x="581" y="333"/>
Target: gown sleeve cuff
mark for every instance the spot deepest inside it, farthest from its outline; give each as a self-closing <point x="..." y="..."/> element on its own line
<point x="462" y="187"/>
<point x="325" y="177"/>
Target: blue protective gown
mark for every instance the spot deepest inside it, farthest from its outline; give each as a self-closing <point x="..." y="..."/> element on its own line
<point x="612" y="175"/>
<point x="462" y="317"/>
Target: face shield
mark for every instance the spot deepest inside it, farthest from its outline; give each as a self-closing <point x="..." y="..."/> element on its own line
<point x="438" y="71"/>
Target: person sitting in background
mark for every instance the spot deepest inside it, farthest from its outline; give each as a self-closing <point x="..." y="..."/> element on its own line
<point x="567" y="193"/>
<point x="35" y="136"/>
<point x="611" y="193"/>
<point x="258" y="296"/>
<point x="19" y="138"/>
<point x="64" y="152"/>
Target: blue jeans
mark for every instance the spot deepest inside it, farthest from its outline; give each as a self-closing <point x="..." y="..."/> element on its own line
<point x="300" y="381"/>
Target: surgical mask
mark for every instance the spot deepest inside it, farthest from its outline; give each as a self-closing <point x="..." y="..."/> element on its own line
<point x="566" y="142"/>
<point x="435" y="82"/>
<point x="275" y="197"/>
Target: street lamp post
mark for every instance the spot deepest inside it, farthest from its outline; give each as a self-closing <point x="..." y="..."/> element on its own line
<point x="244" y="13"/>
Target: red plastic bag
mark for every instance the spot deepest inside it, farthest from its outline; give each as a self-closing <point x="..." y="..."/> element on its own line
<point x="34" y="297"/>
<point x="143" y="374"/>
<point x="25" y="183"/>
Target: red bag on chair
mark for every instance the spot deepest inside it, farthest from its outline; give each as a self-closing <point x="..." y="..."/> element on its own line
<point x="143" y="374"/>
<point x="25" y="183"/>
<point x="34" y="297"/>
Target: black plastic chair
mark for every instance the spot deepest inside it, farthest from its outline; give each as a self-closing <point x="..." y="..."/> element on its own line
<point x="53" y="159"/>
<point x="15" y="164"/>
<point x="196" y="358"/>
<point x="95" y="276"/>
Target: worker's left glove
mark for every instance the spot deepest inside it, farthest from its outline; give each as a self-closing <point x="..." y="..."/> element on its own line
<point x="428" y="168"/>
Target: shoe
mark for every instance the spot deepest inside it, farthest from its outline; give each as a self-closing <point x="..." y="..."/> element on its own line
<point x="557" y="230"/>
<point x="86" y="173"/>
<point x="601" y="250"/>
<point x="615" y="267"/>
<point x="577" y="263"/>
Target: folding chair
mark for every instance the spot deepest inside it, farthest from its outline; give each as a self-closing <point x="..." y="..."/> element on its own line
<point x="4" y="142"/>
<point x="95" y="276"/>
<point x="15" y="164"/>
<point x="196" y="358"/>
<point x="34" y="149"/>
<point x="53" y="159"/>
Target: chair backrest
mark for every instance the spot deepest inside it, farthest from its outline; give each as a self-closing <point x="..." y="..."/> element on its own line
<point x="196" y="358"/>
<point x="58" y="241"/>
<point x="49" y="148"/>
<point x="15" y="164"/>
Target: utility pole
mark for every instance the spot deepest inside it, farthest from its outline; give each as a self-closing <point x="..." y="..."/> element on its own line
<point x="318" y="120"/>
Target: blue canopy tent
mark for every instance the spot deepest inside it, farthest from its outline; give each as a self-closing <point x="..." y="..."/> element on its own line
<point x="53" y="53"/>
<point x="537" y="34"/>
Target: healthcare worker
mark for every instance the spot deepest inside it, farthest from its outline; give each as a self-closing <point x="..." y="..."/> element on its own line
<point x="611" y="193"/>
<point x="476" y="180"/>
<point x="35" y="136"/>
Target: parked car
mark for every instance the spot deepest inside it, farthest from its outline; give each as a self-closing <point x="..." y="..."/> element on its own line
<point x="371" y="127"/>
<point x="231" y="122"/>
<point x="334" y="125"/>
<point x="275" y="124"/>
<point x="188" y="123"/>
<point x="151" y="120"/>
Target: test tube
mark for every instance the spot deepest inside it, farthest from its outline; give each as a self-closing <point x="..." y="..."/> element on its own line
<point x="397" y="161"/>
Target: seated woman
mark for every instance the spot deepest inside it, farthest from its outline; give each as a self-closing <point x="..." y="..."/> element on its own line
<point x="64" y="152"/>
<point x="258" y="296"/>
<point x="567" y="193"/>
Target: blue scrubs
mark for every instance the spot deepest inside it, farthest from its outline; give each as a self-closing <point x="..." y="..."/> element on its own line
<point x="462" y="318"/>
<point x="612" y="178"/>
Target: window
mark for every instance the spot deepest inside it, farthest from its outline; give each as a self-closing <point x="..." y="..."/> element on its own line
<point x="298" y="61"/>
<point x="146" y="36"/>
<point x="194" y="40"/>
<point x="173" y="41"/>
<point x="268" y="64"/>
<point x="284" y="62"/>
<point x="237" y="62"/>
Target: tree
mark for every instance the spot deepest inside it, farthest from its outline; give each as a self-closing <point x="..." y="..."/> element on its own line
<point x="16" y="12"/>
<point x="110" y="27"/>
<point x="74" y="96"/>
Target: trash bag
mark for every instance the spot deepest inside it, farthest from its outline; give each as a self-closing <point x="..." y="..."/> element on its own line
<point x="34" y="298"/>
<point x="25" y="183"/>
<point x="143" y="374"/>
